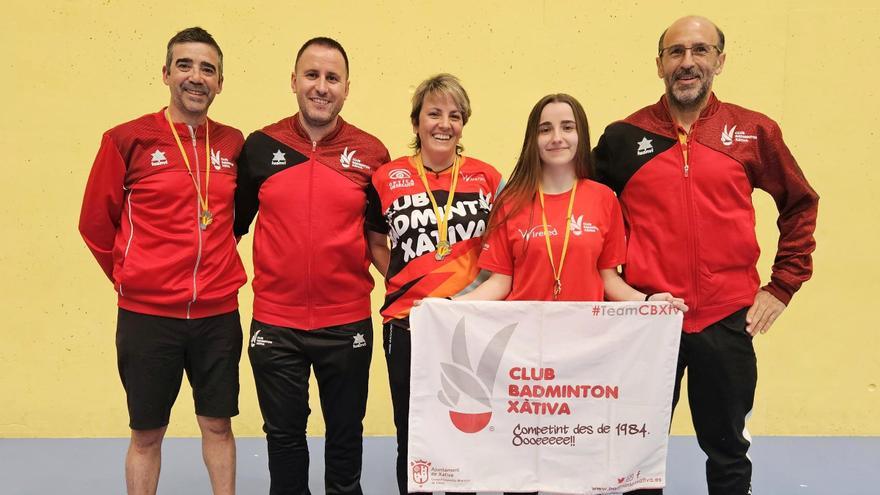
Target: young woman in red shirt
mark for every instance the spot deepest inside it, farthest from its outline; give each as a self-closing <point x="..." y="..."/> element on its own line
<point x="555" y="234"/>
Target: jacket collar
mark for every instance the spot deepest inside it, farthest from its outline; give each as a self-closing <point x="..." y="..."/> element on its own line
<point x="300" y="131"/>
<point x="183" y="127"/>
<point x="660" y="110"/>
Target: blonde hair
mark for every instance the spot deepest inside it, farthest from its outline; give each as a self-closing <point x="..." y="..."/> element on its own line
<point x="445" y="85"/>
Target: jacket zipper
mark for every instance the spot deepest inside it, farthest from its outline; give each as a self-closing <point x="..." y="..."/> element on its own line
<point x="692" y="231"/>
<point x="309" y="308"/>
<point x="192" y="134"/>
<point x="130" y="234"/>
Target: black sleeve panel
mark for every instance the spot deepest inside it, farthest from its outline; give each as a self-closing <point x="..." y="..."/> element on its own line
<point x="622" y="150"/>
<point x="602" y="160"/>
<point x="246" y="194"/>
<point x="261" y="157"/>
<point x="374" y="219"/>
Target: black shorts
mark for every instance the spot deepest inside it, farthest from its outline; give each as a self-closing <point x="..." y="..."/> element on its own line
<point x="153" y="351"/>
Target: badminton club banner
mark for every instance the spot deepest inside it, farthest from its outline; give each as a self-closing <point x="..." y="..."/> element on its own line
<point x="571" y="398"/>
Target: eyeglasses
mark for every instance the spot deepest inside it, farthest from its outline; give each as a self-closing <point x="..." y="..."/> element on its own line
<point x="700" y="50"/>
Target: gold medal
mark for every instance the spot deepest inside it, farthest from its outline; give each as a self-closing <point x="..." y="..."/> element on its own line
<point x="443" y="250"/>
<point x="205" y="219"/>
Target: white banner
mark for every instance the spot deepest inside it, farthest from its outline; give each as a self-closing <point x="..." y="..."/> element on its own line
<point x="561" y="397"/>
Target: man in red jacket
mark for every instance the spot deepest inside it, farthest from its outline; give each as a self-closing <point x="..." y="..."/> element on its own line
<point x="157" y="214"/>
<point x="684" y="170"/>
<point x="309" y="175"/>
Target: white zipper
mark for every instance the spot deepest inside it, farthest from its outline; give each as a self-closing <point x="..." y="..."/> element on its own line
<point x="130" y="236"/>
<point x="687" y="152"/>
<point x="198" y="228"/>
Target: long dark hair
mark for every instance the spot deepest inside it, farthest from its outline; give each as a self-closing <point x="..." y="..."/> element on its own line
<point x="522" y="186"/>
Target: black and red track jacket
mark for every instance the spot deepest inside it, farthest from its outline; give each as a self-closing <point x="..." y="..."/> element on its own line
<point x="140" y="218"/>
<point x="311" y="259"/>
<point x="690" y="222"/>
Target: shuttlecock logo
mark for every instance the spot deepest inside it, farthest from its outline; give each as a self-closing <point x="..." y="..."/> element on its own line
<point x="466" y="390"/>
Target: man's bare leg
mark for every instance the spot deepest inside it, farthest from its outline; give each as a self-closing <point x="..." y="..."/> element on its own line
<point x="143" y="461"/>
<point x="218" y="451"/>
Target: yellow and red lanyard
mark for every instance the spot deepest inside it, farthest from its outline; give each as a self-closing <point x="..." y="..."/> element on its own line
<point x="205" y="215"/>
<point x="557" y="273"/>
<point x="443" y="246"/>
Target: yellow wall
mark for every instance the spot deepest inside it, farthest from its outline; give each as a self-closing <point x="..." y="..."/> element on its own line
<point x="73" y="69"/>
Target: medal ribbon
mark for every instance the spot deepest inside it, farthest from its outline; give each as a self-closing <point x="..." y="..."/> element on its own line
<point x="205" y="216"/>
<point x="557" y="274"/>
<point x="442" y="223"/>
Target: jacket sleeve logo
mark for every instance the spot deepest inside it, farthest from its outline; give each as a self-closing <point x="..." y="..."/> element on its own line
<point x="730" y="136"/>
<point x="645" y="146"/>
<point x="218" y="161"/>
<point x="347" y="160"/>
<point x="278" y="159"/>
<point x="158" y="158"/>
<point x="727" y="135"/>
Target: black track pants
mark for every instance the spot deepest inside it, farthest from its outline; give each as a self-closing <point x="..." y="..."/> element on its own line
<point x="281" y="359"/>
<point x="722" y="376"/>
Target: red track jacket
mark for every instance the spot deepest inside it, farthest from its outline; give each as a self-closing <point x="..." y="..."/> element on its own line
<point x="690" y="223"/>
<point x="311" y="262"/>
<point x="140" y="218"/>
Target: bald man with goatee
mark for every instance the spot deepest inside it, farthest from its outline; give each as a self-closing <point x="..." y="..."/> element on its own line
<point x="684" y="170"/>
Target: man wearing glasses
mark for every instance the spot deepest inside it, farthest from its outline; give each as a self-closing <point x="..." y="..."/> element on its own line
<point x="684" y="169"/>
